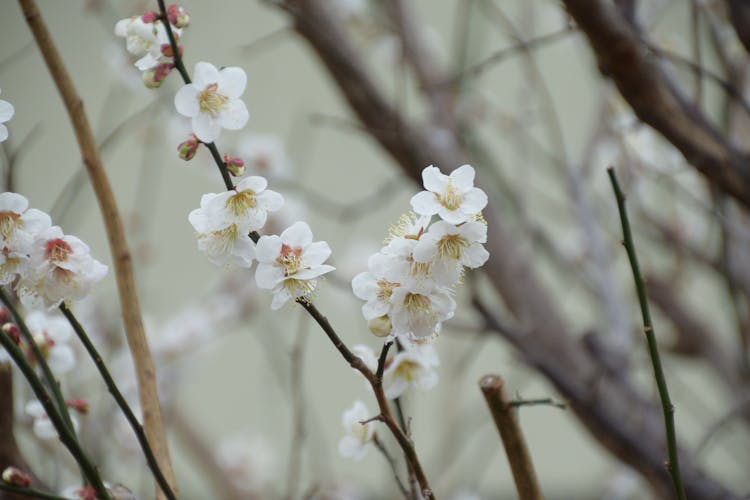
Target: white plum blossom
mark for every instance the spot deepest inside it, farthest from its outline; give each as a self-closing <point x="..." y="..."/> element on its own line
<point x="6" y="113"/>
<point x="357" y="436"/>
<point x="43" y="426"/>
<point x="223" y="241"/>
<point x="454" y="198"/>
<point x="290" y="263"/>
<point x="60" y="269"/>
<point x="51" y="334"/>
<point x="420" y="309"/>
<point x="264" y="154"/>
<point x="447" y="248"/>
<point x="19" y="225"/>
<point x="212" y="101"/>
<point x="248" y="204"/>
<point x="413" y="367"/>
<point x="144" y="40"/>
<point x="376" y="285"/>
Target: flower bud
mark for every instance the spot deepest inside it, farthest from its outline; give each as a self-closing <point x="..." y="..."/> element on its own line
<point x="149" y="16"/>
<point x="235" y="166"/>
<point x="380" y="326"/>
<point x="11" y="329"/>
<point x="177" y="16"/>
<point x="166" y="50"/>
<point x="16" y="477"/>
<point x="4" y="315"/>
<point x="87" y="493"/>
<point x="187" y="149"/>
<point x="79" y="405"/>
<point x="154" y="77"/>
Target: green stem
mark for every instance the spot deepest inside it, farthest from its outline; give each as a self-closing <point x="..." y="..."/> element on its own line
<point x="29" y="492"/>
<point x="673" y="465"/>
<point x="121" y="402"/>
<point x="67" y="437"/>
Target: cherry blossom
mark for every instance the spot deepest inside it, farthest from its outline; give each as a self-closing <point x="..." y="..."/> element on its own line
<point x="454" y="198"/>
<point x="6" y="113"/>
<point x="212" y="101"/>
<point x="357" y="436"/>
<point x="19" y="225"/>
<point x="290" y="263"/>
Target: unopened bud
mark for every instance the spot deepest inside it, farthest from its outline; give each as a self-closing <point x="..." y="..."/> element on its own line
<point x="16" y="477"/>
<point x="177" y="16"/>
<point x="154" y="77"/>
<point x="79" y="405"/>
<point x="11" y="329"/>
<point x="4" y="315"/>
<point x="188" y="148"/>
<point x="380" y="326"/>
<point x="166" y="50"/>
<point x="149" y="16"/>
<point x="87" y="493"/>
<point x="235" y="166"/>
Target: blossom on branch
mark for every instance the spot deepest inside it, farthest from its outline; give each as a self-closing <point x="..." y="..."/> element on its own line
<point x="454" y="198"/>
<point x="413" y="367"/>
<point x="19" y="226"/>
<point x="357" y="436"/>
<point x="144" y="40"/>
<point x="290" y="264"/>
<point x="447" y="248"/>
<point x="212" y="101"/>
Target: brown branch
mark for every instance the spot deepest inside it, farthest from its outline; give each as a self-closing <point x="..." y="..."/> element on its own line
<point x="506" y="421"/>
<point x="121" y="257"/>
<point x="624" y="57"/>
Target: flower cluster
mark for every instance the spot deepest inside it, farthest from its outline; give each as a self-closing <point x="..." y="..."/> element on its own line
<point x="50" y="267"/>
<point x="146" y="38"/>
<point x="408" y="285"/>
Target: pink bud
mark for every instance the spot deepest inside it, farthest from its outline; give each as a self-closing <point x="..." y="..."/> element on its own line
<point x="154" y="77"/>
<point x="4" y="315"/>
<point x="235" y="166"/>
<point x="187" y="149"/>
<point x="16" y="477"/>
<point x="79" y="405"/>
<point x="149" y="16"/>
<point x="11" y="329"/>
<point x="177" y="16"/>
<point x="87" y="493"/>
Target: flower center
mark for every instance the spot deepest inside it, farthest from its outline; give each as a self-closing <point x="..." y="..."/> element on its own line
<point x="451" y="199"/>
<point x="210" y="101"/>
<point x="385" y="289"/>
<point x="407" y="370"/>
<point x="290" y="259"/>
<point x="416" y="303"/>
<point x="452" y="246"/>
<point x="418" y="268"/>
<point x="239" y="203"/>
<point x="8" y="223"/>
<point x="299" y="288"/>
<point x="220" y="242"/>
<point x="57" y="250"/>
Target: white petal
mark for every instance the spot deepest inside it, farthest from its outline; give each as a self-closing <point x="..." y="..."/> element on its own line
<point x="425" y="250"/>
<point x="364" y="286"/>
<point x="6" y="111"/>
<point x="121" y="27"/>
<point x="375" y="309"/>
<point x="268" y="248"/>
<point x="254" y="183"/>
<point x="395" y="387"/>
<point x="44" y="429"/>
<point x="474" y="231"/>
<point x="474" y="200"/>
<point x="186" y="101"/>
<point x="205" y="127"/>
<point x="205" y="74"/>
<point x="463" y="177"/>
<point x="271" y="200"/>
<point x="268" y="276"/>
<point x="234" y="116"/>
<point x="475" y="256"/>
<point x="314" y="272"/>
<point x="147" y="62"/>
<point x="425" y="203"/>
<point x="453" y="216"/>
<point x="232" y="82"/>
<point x="280" y="298"/>
<point x="297" y="235"/>
<point x="3" y="132"/>
<point x="316" y="253"/>
<point x="13" y="202"/>
<point x="434" y="180"/>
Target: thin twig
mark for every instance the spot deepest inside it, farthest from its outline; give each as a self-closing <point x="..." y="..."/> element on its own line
<point x="121" y="402"/>
<point x="121" y="257"/>
<point x="673" y="465"/>
<point x="29" y="492"/>
<point x="392" y="463"/>
<point x="516" y="450"/>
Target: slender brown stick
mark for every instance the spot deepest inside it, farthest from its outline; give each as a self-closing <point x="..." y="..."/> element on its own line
<point x="121" y="258"/>
<point x="506" y="420"/>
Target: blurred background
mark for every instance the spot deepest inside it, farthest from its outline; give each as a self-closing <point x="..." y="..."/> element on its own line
<point x="239" y="381"/>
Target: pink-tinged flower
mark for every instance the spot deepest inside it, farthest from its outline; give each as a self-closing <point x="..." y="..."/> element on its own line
<point x="60" y="269"/>
<point x="289" y="264"/>
<point x="357" y="436"/>
<point x="447" y="248"/>
<point x="6" y="113"/>
<point x="454" y="198"/>
<point x="19" y="226"/>
<point x="212" y="101"/>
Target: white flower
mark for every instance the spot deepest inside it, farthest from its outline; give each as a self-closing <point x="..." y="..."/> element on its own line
<point x="144" y="40"/>
<point x="213" y="100"/>
<point x="60" y="269"/>
<point x="367" y="355"/>
<point x="43" y="426"/>
<point x="356" y="435"/>
<point x="264" y="154"/>
<point x="288" y="264"/>
<point x="223" y="241"/>
<point x="376" y="285"/>
<point x="6" y="113"/>
<point x="51" y="334"/>
<point x="248" y="204"/>
<point x="454" y="198"/>
<point x="19" y="225"/>
<point x="420" y="309"/>
<point x="409" y="368"/>
<point x="447" y="248"/>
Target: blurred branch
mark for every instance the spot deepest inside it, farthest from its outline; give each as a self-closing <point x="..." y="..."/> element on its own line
<point x="506" y="421"/>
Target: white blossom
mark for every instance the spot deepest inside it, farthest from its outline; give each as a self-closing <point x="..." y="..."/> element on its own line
<point x="213" y="100"/>
<point x="60" y="269"/>
<point x="6" y="113"/>
<point x="454" y="198"/>
<point x="43" y="426"/>
<point x="223" y="241"/>
<point x="144" y="40"/>
<point x="447" y="248"/>
<point x="413" y="367"/>
<point x="51" y="334"/>
<point x="19" y="226"/>
<point x="290" y="263"/>
<point x="420" y="309"/>
<point x="357" y="436"/>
